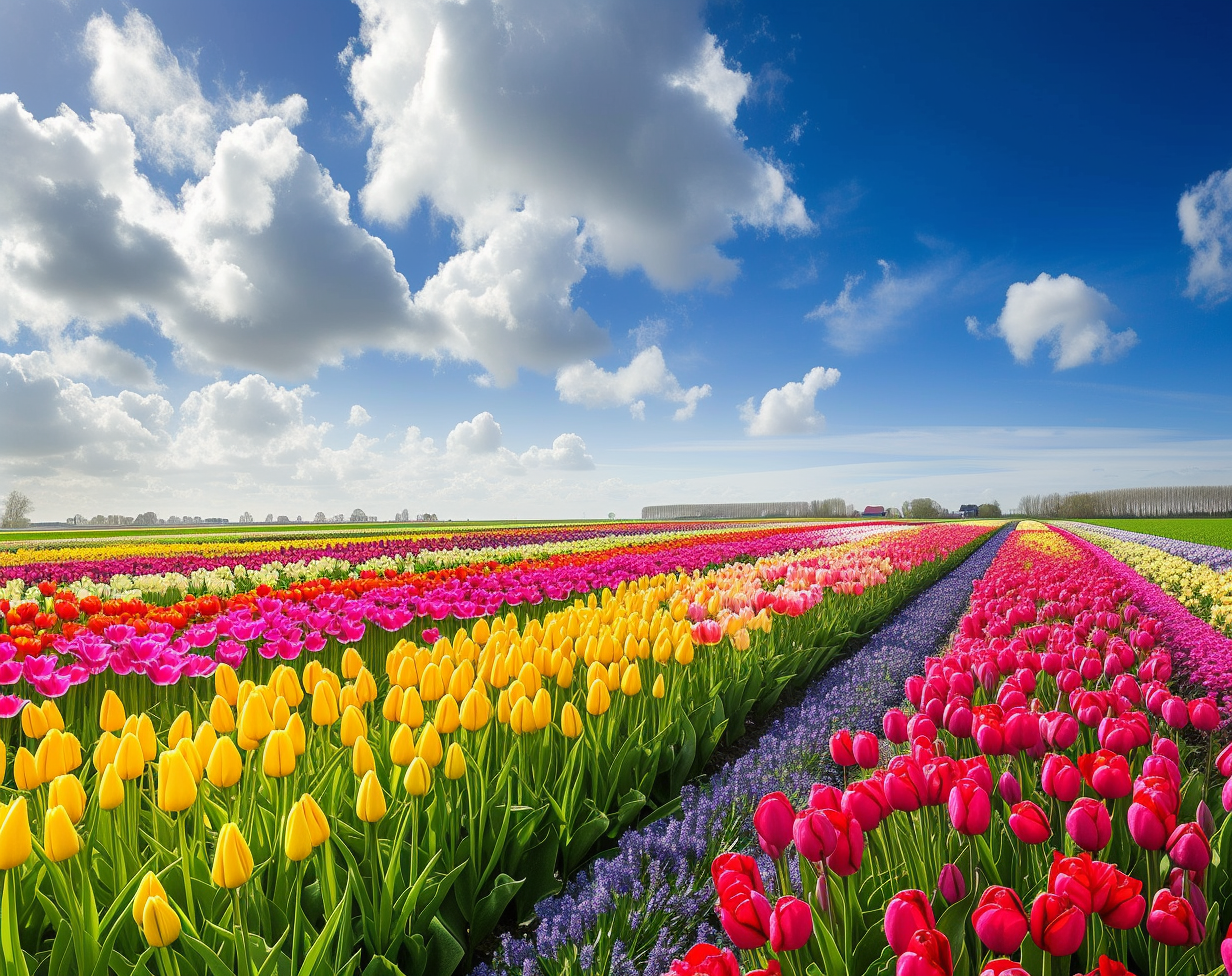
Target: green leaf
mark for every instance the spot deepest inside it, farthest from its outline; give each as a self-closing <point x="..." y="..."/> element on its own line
<point x="684" y="758"/>
<point x="540" y="880"/>
<point x="489" y="909"/>
<point x="321" y="943"/>
<point x="445" y="953"/>
<point x="209" y="958"/>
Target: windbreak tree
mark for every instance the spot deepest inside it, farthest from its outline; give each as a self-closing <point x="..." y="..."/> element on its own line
<point x="922" y="508"/>
<point x="16" y="509"/>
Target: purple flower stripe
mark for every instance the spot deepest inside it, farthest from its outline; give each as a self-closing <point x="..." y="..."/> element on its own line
<point x="1217" y="557"/>
<point x="657" y="883"/>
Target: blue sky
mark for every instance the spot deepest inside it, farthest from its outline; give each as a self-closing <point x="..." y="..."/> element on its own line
<point x="811" y="237"/>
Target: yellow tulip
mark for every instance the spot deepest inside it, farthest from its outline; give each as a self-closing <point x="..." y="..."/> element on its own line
<point x="684" y="650"/>
<point x="297" y="838"/>
<point x="324" y="704"/>
<point x="370" y="802"/>
<point x="362" y="759"/>
<point x="522" y="717"/>
<point x="475" y="710"/>
<point x="181" y="728"/>
<point x="570" y="721"/>
<point x="312" y="674"/>
<point x="66" y="791"/>
<point x="351" y="663"/>
<point x="110" y="789"/>
<point x="49" y="757"/>
<point x="232" y="858"/>
<point x="147" y="738"/>
<point x="455" y="762"/>
<point x="221" y="716"/>
<point x="204" y="743"/>
<point x="659" y="689"/>
<point x="299" y="736"/>
<point x="111" y="713"/>
<point x="402" y="746"/>
<point x="186" y="748"/>
<point x="278" y="758"/>
<point x="431" y="685"/>
<point x="392" y="705"/>
<point x="598" y="699"/>
<point x="631" y="681"/>
<point x="318" y="826"/>
<point x="255" y="722"/>
<point x="130" y="726"/>
<point x="428" y="748"/>
<point x="348" y="698"/>
<point x="226" y="684"/>
<point x="418" y="778"/>
<point x="25" y="772"/>
<point x="412" y="713"/>
<point x="15" y="841"/>
<point x="159" y="922"/>
<point x="290" y="688"/>
<point x="177" y="787"/>
<point x="365" y="686"/>
<point x="446" y="718"/>
<point x="353" y="725"/>
<point x="33" y="721"/>
<point x="129" y="759"/>
<point x="150" y="887"/>
<point x="225" y="764"/>
<point x="530" y="678"/>
<point x="564" y="677"/>
<point x="408" y="673"/>
<point x="281" y="713"/>
<point x="51" y="712"/>
<point x="72" y="751"/>
<point x="517" y="691"/>
<point x="541" y="707"/>
<point x="60" y="839"/>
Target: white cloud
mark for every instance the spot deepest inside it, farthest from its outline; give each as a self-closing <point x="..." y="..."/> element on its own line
<point x="646" y="375"/>
<point x="93" y="358"/>
<point x="567" y="453"/>
<point x="358" y="416"/>
<point x="789" y="409"/>
<point x="482" y="435"/>
<point x="1064" y="312"/>
<point x="1205" y="216"/>
<point x="855" y="322"/>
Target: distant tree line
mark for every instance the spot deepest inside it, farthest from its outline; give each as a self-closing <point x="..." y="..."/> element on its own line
<point x="824" y="508"/>
<point x="1131" y="502"/>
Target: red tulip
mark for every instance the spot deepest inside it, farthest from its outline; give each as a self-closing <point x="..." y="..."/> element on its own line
<point x="866" y="801"/>
<point x="842" y="749"/>
<point x="999" y="919"/>
<point x="1088" y="824"/>
<point x="772" y="969"/>
<point x="736" y="866"/>
<point x="773" y="821"/>
<point x="1188" y="847"/>
<point x="927" y="954"/>
<point x="1163" y="767"/>
<point x="1106" y="772"/>
<point x="1172" y="921"/>
<point x="1175" y="714"/>
<point x="905" y="785"/>
<point x="1060" y="778"/>
<point x="705" y="959"/>
<point x="977" y="768"/>
<point x="1029" y="823"/>
<point x="745" y="917"/>
<point x="825" y="797"/>
<point x="970" y="808"/>
<point x="907" y="913"/>
<point x="848" y="850"/>
<point x="1057" y="926"/>
<point x="1087" y="883"/>
<point x="814" y="835"/>
<point x="791" y="924"/>
<point x="866" y="749"/>
<point x="1109" y="967"/>
<point x="1125" y="905"/>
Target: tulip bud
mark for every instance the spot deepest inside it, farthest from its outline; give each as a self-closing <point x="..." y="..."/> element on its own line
<point x="791" y="924"/>
<point x="598" y="700"/>
<point x="475" y="710"/>
<point x="1057" y="926"/>
<point x="351" y="663"/>
<point x="180" y="728"/>
<point x="774" y="822"/>
<point x="999" y="920"/>
<point x="570" y="721"/>
<point x="866" y="750"/>
<point x="25" y="771"/>
<point x="412" y="713"/>
<point x="147" y="738"/>
<point x="49" y="758"/>
<point x="659" y="689"/>
<point x="15" y="841"/>
<point x="318" y="826"/>
<point x="232" y="859"/>
<point x="455" y="761"/>
<point x="429" y="746"/>
<point x="1009" y="788"/>
<point x="226" y="684"/>
<point x="278" y="758"/>
<point x="297" y="838"/>
<point x="951" y="884"/>
<point x="110" y="789"/>
<point x="33" y="721"/>
<point x="353" y="726"/>
<point x="150" y="887"/>
<point x="362" y="759"/>
<point x="60" y="839"/>
<point x="1089" y="825"/>
<point x="324" y="704"/>
<point x="129" y="759"/>
<point x="204" y="742"/>
<point x="66" y="791"/>
<point x="105" y="751"/>
<point x="225" y="764"/>
<point x="177" y="787"/>
<point x="159" y="922"/>
<point x="418" y="778"/>
<point x="370" y="801"/>
<point x="111" y="714"/>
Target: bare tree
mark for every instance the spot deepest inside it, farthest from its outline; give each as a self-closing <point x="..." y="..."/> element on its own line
<point x="16" y="508"/>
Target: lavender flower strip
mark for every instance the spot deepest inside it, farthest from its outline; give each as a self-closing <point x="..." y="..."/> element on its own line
<point x="660" y="874"/>
<point x="1216" y="557"/>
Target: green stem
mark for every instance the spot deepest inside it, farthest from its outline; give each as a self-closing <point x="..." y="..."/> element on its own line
<point x="245" y="965"/>
<point x="296" y="932"/>
<point x="188" y="892"/>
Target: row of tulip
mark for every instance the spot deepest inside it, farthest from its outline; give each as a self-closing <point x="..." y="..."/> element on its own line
<point x="1204" y="590"/>
<point x="1046" y="761"/>
<point x="59" y="641"/>
<point x="385" y="805"/>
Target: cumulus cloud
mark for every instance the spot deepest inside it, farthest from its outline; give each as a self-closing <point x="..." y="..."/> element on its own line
<point x="855" y="321"/>
<point x="358" y="416"/>
<point x="93" y="358"/>
<point x="567" y="453"/>
<point x="646" y="375"/>
<point x="1064" y="312"/>
<point x="789" y="409"/>
<point x="1205" y="216"/>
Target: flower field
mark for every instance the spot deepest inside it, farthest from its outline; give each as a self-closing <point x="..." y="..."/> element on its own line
<point x="1049" y="798"/>
<point x="367" y="756"/>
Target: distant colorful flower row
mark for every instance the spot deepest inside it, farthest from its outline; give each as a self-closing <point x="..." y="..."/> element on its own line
<point x="1217" y="557"/>
<point x="1203" y="589"/>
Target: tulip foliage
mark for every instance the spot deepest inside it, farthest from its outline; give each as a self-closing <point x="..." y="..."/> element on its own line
<point x="1043" y="805"/>
<point x="381" y="804"/>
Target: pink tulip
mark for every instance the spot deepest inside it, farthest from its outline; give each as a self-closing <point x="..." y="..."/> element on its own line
<point x="907" y="913"/>
<point x="999" y="919"/>
<point x="866" y="750"/>
<point x="774" y="821"/>
<point x="1175" y="713"/>
<point x="1009" y="788"/>
<point x="745" y="917"/>
<point x="1172" y="921"/>
<point x="1188" y="847"/>
<point x="1225" y="950"/>
<point x="814" y="835"/>
<point x="969" y="807"/>
<point x="1057" y="926"/>
<point x="1204" y="714"/>
<point x="791" y="924"/>
<point x="1060" y="778"/>
<point x="845" y="859"/>
<point x="1030" y="823"/>
<point x="895" y="726"/>
<point x="842" y="748"/>
<point x="1088" y="824"/>
<point x="927" y="954"/>
<point x="825" y="797"/>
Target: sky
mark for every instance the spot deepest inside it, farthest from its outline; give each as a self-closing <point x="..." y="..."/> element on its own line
<point x="563" y="259"/>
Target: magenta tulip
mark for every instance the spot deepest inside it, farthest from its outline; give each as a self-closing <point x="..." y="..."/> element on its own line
<point x="905" y="914"/>
<point x="927" y="954"/>
<point x="1060" y="778"/>
<point x="1188" y="847"/>
<point x="895" y="726"/>
<point x="773" y="822"/>
<point x="814" y="835"/>
<point x="1009" y="788"/>
<point x="842" y="749"/>
<point x="1057" y="926"/>
<point x="845" y="859"/>
<point x="791" y="924"/>
<point x="970" y="808"/>
<point x="1029" y="822"/>
<point x="1172" y="921"/>
<point x="1088" y="824"/>
<point x="951" y="884"/>
<point x="866" y="750"/>
<point x="999" y="919"/>
<point x="745" y="917"/>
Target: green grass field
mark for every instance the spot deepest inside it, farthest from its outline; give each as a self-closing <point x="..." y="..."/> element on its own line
<point x="1205" y="531"/>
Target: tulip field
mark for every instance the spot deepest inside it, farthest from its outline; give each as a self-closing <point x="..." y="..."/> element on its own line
<point x="368" y="755"/>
